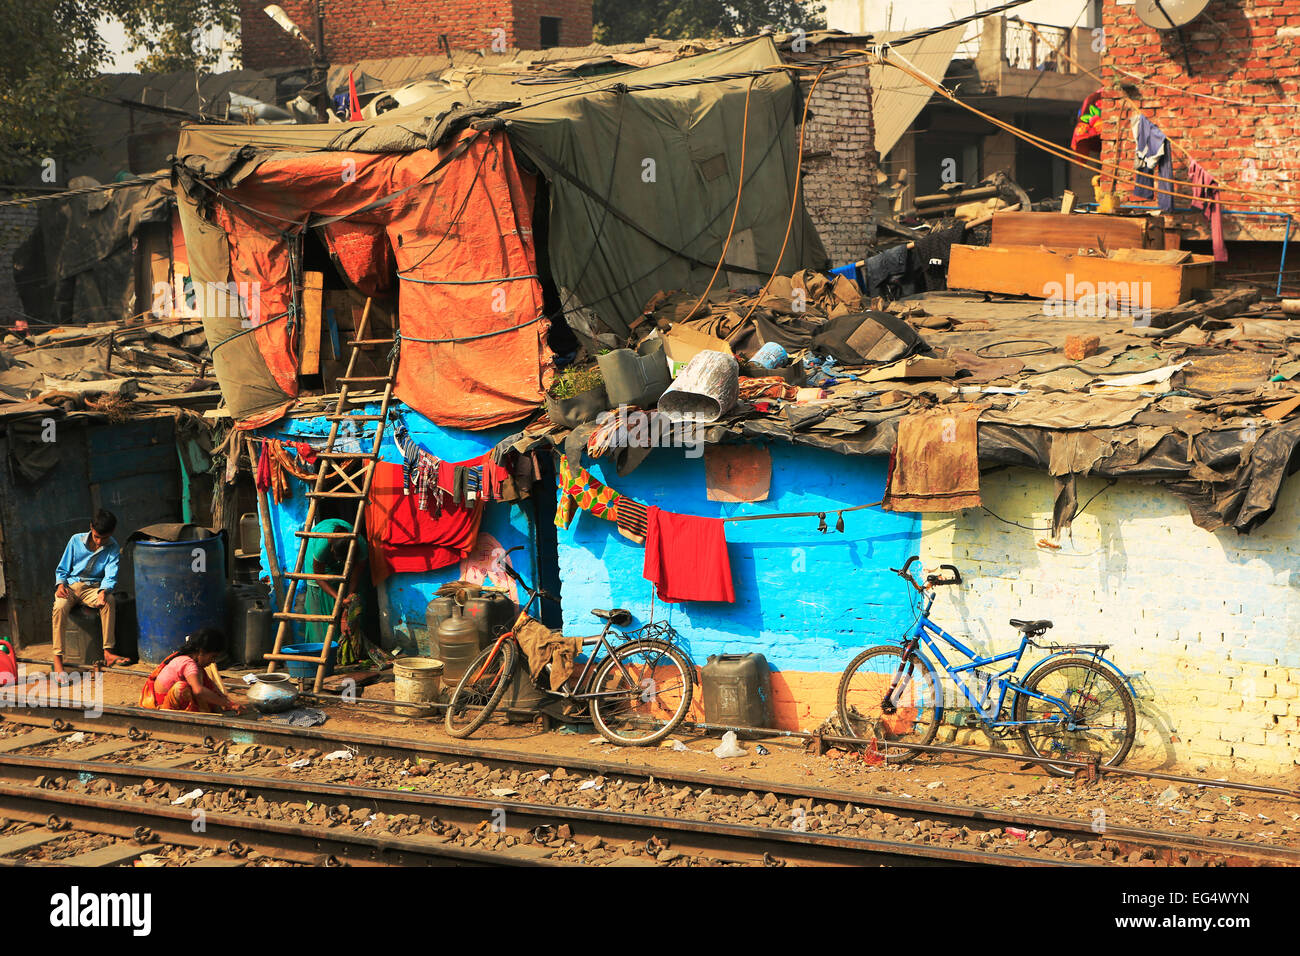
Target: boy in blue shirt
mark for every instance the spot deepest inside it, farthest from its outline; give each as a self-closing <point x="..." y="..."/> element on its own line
<point x="86" y="575"/>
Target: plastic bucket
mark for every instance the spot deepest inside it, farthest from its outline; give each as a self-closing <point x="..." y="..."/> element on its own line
<point x="304" y="669"/>
<point x="417" y="680"/>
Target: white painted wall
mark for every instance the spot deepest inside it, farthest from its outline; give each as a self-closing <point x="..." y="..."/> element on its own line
<point x="1205" y="621"/>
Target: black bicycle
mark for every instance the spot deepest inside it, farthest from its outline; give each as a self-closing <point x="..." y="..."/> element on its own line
<point x="637" y="693"/>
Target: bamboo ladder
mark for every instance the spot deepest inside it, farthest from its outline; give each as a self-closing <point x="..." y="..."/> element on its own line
<point x="351" y="486"/>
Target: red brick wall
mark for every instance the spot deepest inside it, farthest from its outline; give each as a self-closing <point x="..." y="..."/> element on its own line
<point x="359" y="29"/>
<point x="575" y="22"/>
<point x="1234" y="48"/>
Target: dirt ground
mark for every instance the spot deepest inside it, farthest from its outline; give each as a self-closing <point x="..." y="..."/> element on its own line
<point x="1004" y="784"/>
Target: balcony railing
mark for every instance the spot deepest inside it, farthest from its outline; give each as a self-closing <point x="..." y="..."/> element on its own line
<point x="1036" y="47"/>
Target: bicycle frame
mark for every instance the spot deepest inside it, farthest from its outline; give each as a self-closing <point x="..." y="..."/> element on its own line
<point x="588" y="668"/>
<point x="926" y="632"/>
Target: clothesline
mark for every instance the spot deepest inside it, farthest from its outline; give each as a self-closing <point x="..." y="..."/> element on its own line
<point x="806" y="514"/>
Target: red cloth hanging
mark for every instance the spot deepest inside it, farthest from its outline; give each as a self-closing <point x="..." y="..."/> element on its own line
<point x="686" y="557"/>
<point x="405" y="539"/>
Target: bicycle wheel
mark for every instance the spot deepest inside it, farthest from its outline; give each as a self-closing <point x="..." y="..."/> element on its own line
<point x="908" y="715"/>
<point x="1101" y="708"/>
<point x="645" y="691"/>
<point x="480" y="689"/>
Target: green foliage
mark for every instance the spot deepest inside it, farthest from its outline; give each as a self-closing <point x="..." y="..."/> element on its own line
<point x="174" y="32"/>
<point x="53" y="54"/>
<point x="618" y="21"/>
<point x="575" y="381"/>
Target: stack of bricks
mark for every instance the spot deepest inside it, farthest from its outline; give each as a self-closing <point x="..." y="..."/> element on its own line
<point x="363" y="29"/>
<point x="840" y="160"/>
<point x="1242" y="126"/>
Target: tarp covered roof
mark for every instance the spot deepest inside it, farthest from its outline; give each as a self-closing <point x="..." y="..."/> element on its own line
<point x="643" y="170"/>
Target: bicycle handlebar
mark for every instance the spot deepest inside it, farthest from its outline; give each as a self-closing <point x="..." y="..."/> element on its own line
<point x="514" y="575"/>
<point x="931" y="580"/>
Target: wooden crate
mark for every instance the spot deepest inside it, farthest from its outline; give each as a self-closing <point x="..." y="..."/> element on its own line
<point x="1069" y="234"/>
<point x="1020" y="270"/>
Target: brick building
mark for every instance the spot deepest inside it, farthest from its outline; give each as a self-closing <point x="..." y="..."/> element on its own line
<point x="384" y="28"/>
<point x="1228" y="101"/>
<point x="840" y="159"/>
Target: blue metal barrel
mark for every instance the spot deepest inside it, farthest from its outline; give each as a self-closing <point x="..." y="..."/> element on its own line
<point x="180" y="586"/>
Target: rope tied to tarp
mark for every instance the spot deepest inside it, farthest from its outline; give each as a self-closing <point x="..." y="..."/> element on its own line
<point x="398" y="337"/>
<point x="531" y="275"/>
<point x="252" y="328"/>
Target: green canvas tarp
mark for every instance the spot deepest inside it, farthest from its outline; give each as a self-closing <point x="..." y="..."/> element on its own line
<point x="78" y="265"/>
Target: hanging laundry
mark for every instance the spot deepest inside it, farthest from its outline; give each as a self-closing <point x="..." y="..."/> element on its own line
<point x="406" y="538"/>
<point x="270" y="476"/>
<point x="934" y="465"/>
<point x="686" y="557"/>
<point x="1205" y="193"/>
<point x="1087" y="130"/>
<point x="1153" y="155"/>
<point x="579" y="489"/>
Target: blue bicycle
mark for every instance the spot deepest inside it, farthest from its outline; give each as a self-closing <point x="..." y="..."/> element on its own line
<point x="1073" y="705"/>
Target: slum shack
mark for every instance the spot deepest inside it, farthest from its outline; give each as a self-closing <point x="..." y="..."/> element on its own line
<point x="613" y="288"/>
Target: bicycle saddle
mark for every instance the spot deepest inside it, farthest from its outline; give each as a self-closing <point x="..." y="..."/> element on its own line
<point x="1031" y="627"/>
<point x="619" y="617"/>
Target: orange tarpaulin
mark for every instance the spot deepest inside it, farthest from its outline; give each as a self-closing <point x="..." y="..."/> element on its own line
<point x="458" y="226"/>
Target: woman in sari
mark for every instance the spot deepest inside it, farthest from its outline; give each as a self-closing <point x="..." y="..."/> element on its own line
<point x="180" y="681"/>
<point x="328" y="556"/>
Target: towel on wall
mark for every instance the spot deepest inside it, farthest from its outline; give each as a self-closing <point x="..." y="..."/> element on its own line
<point x="935" y="462"/>
<point x="686" y="557"/>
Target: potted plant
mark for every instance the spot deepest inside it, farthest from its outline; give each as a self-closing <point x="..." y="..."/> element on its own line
<point x="576" y="396"/>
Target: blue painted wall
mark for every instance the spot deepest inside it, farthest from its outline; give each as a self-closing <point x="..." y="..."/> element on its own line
<point x="807" y="601"/>
<point x="408" y="595"/>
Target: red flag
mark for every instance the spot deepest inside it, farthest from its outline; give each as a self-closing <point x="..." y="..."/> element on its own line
<point x="356" y="103"/>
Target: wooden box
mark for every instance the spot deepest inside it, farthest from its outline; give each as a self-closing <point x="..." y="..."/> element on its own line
<point x="1069" y="234"/>
<point x="1021" y="270"/>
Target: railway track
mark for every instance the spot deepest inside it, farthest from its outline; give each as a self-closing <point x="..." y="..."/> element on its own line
<point x="198" y="737"/>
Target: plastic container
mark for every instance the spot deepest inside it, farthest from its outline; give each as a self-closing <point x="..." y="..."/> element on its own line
<point x="8" y="663"/>
<point x="180" y="586"/>
<point x="418" y="681"/>
<point x="771" y="356"/>
<point x="737" y="690"/>
<point x="492" y="613"/>
<point x="439" y="610"/>
<point x="250" y="533"/>
<point x="305" y="670"/>
<point x="250" y="624"/>
<point x="635" y="378"/>
<point x="458" y="645"/>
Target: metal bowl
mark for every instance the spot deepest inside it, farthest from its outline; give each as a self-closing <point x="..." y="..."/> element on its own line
<point x="272" y="693"/>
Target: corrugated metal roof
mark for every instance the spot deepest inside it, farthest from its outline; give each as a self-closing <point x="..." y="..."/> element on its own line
<point x="896" y="98"/>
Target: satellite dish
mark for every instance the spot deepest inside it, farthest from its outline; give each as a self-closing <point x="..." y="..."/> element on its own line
<point x="1169" y="14"/>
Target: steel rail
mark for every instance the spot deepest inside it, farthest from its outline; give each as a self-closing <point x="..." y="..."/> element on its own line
<point x="728" y="841"/>
<point x="283" y="840"/>
<point x="180" y="727"/>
